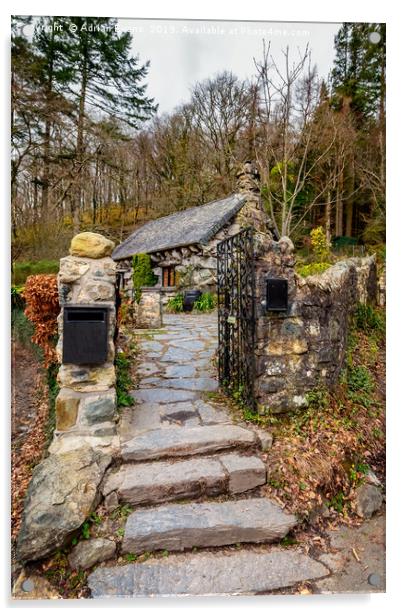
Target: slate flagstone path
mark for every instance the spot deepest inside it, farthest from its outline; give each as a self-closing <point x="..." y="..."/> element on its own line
<point x="176" y="370"/>
<point x="177" y="444"/>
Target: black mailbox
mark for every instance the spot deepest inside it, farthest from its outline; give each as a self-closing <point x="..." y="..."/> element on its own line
<point x="277" y="294"/>
<point x="85" y="334"/>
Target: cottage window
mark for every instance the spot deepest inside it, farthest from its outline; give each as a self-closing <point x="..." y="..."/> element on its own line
<point x="168" y="276"/>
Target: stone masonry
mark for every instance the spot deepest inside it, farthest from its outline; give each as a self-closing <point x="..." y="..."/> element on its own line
<point x="86" y="404"/>
<point x="304" y="347"/>
<point x="149" y="309"/>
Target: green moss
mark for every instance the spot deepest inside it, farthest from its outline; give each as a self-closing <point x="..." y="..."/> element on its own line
<point x="311" y="269"/>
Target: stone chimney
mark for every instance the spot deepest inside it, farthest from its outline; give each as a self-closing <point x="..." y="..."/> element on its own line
<point x="252" y="214"/>
<point x="248" y="178"/>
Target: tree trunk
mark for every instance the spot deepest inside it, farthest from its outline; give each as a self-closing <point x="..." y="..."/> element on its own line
<point x="328" y="218"/>
<point x="350" y="204"/>
<point x="80" y="137"/>
<point x="339" y="207"/>
<point x="46" y="139"/>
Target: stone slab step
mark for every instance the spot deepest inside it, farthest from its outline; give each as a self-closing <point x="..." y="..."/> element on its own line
<point x="177" y="527"/>
<point x="184" y="441"/>
<point x="158" y="482"/>
<point x="244" y="572"/>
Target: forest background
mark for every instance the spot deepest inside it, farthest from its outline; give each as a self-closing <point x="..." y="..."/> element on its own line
<point x="91" y="152"/>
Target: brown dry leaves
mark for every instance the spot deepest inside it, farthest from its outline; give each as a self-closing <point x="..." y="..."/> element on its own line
<point x="311" y="459"/>
<point x="42" y="300"/>
<point x="25" y="457"/>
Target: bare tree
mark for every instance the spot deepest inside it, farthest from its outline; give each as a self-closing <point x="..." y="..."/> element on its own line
<point x="288" y="100"/>
<point x="221" y="110"/>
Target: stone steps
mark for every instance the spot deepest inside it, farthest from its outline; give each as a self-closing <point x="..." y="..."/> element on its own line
<point x="158" y="482"/>
<point x="180" y="526"/>
<point x="242" y="572"/>
<point x="186" y="441"/>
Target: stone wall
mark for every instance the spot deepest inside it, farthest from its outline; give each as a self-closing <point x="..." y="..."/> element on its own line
<point x="304" y="347"/>
<point x="86" y="403"/>
<point x="149" y="309"/>
<point x="381" y="295"/>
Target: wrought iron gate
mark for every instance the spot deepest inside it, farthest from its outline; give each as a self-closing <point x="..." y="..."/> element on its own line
<point x="236" y="316"/>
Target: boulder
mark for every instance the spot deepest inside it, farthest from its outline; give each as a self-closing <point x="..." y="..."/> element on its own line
<point x="91" y="245"/>
<point x="90" y="552"/>
<point x="368" y="500"/>
<point x="71" y="269"/>
<point x="62" y="493"/>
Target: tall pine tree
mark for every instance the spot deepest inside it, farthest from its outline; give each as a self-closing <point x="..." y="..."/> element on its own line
<point x="359" y="69"/>
<point x="358" y="84"/>
<point x="107" y="79"/>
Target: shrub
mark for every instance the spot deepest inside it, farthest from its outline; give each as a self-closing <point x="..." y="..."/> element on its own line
<point x="42" y="308"/>
<point x="175" y="304"/>
<point x="143" y="275"/>
<point x="206" y="302"/>
<point x="17" y="300"/>
<point x="311" y="269"/>
<point x="319" y="244"/>
<point x="360" y="379"/>
<point x="369" y="319"/>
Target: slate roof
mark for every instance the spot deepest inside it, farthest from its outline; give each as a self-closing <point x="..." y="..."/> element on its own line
<point x="196" y="225"/>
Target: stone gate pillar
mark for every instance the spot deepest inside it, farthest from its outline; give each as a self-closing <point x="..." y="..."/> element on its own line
<point x="86" y="404"/>
<point x="303" y="346"/>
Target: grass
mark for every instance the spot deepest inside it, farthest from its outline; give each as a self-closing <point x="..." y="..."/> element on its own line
<point x="53" y="390"/>
<point x="21" y="270"/>
<point x="175" y="304"/>
<point x="121" y="512"/>
<point x="205" y="303"/>
<point x="130" y="558"/>
<point x="124" y="381"/>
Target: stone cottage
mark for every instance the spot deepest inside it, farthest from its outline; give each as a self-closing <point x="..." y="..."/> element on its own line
<point x="182" y="246"/>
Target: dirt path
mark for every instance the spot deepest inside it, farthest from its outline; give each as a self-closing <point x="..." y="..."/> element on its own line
<point x="29" y="415"/>
<point x="26" y="377"/>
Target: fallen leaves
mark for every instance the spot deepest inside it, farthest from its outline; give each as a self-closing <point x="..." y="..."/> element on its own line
<point x="26" y="452"/>
<point x="315" y="456"/>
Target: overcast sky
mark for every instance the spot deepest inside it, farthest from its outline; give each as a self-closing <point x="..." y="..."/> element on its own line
<point x="183" y="52"/>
